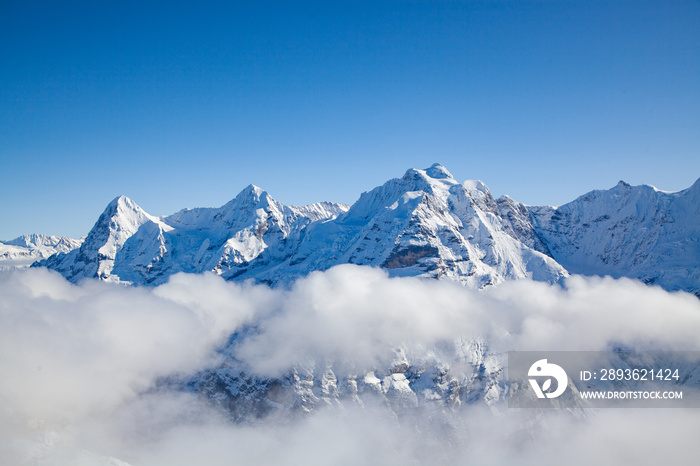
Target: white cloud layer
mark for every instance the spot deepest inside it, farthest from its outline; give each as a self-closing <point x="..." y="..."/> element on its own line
<point x="79" y="365"/>
<point x="66" y="351"/>
<point x="358" y="314"/>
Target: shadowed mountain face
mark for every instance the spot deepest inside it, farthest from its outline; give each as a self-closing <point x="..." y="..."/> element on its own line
<point x="424" y="224"/>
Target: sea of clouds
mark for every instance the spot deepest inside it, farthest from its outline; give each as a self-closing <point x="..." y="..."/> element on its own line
<point x="80" y="367"/>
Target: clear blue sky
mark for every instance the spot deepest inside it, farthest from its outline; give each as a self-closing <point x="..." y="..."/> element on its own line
<point x="183" y="104"/>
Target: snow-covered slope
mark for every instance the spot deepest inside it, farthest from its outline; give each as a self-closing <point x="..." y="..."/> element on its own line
<point x="27" y="249"/>
<point x="631" y="231"/>
<point x="423" y="224"/>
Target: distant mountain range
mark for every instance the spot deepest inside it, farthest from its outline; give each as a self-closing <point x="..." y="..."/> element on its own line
<point x="423" y="224"/>
<point x="27" y="249"/>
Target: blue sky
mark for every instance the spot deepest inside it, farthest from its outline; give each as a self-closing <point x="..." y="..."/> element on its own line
<point x="183" y="104"/>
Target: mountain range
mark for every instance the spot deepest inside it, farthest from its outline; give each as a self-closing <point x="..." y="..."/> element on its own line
<point x="423" y="224"/>
<point x="27" y="249"/>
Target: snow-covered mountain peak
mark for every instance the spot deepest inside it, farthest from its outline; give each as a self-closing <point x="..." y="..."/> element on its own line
<point x="429" y="180"/>
<point x="250" y="198"/>
<point x="252" y="192"/>
<point x="119" y="222"/>
<point x="476" y="186"/>
<point x="122" y="203"/>
<point x="426" y="224"/>
<point x="236" y="212"/>
<point x="438" y="172"/>
<point x="34" y="240"/>
<point x="123" y="214"/>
